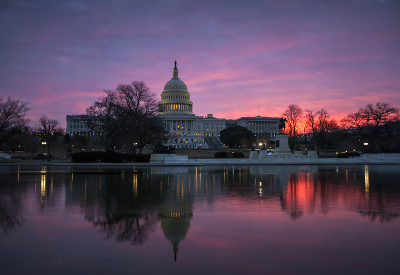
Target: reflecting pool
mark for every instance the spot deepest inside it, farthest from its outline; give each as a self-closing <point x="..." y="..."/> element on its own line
<point x="196" y="220"/>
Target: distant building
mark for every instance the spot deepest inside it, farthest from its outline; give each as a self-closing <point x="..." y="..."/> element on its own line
<point x="262" y="127"/>
<point x="77" y="125"/>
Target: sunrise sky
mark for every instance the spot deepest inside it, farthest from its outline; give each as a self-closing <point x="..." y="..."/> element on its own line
<point x="238" y="58"/>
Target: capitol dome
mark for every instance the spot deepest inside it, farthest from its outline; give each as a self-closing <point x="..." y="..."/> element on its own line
<point x="175" y="84"/>
<point x="175" y="99"/>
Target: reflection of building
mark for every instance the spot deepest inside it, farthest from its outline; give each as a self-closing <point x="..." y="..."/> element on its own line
<point x="175" y="225"/>
<point x="185" y="130"/>
<point x="175" y="212"/>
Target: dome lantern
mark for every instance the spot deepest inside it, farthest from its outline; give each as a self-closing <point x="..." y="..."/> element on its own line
<point x="175" y="72"/>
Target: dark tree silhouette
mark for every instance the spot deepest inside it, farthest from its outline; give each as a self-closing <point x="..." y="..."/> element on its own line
<point x="138" y="115"/>
<point x="49" y="129"/>
<point x="293" y="115"/>
<point x="372" y="122"/>
<point x="236" y="136"/>
<point x="103" y="119"/>
<point x="127" y="116"/>
<point x="320" y="124"/>
<point x="12" y="120"/>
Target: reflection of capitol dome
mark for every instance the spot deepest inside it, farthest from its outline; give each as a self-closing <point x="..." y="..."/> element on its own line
<point x="175" y="227"/>
<point x="175" y="212"/>
<point x="175" y="99"/>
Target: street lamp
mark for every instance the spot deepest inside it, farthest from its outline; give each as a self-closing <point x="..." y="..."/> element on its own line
<point x="44" y="148"/>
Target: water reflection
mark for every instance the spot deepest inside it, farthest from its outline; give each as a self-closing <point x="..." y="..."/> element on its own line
<point x="175" y="210"/>
<point x="113" y="203"/>
<point x="127" y="205"/>
<point x="366" y="179"/>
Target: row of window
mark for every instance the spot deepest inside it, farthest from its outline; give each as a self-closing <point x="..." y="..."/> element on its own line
<point x="186" y="146"/>
<point x="182" y="140"/>
<point x="83" y="133"/>
<point x="175" y="97"/>
<point x="184" y="134"/>
<point x="79" y="126"/>
<point x="259" y="128"/>
<point x="175" y="107"/>
<point x="262" y="122"/>
<point x="213" y="124"/>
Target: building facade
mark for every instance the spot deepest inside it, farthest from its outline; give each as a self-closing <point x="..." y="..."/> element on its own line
<point x="185" y="130"/>
<point x="77" y="125"/>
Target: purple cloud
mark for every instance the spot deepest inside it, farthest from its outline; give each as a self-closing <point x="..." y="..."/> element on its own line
<point x="233" y="55"/>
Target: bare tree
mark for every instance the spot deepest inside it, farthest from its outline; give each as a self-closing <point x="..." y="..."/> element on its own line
<point x="138" y="115"/>
<point x="103" y="119"/>
<point x="354" y="121"/>
<point x="371" y="115"/>
<point x="49" y="129"/>
<point x="137" y="99"/>
<point x="292" y="114"/>
<point x="376" y="117"/>
<point x="12" y="116"/>
<point x="320" y="124"/>
<point x="379" y="114"/>
<point x="128" y="116"/>
<point x="372" y="121"/>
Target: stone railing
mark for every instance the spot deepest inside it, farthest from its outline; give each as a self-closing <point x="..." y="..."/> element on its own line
<point x="168" y="158"/>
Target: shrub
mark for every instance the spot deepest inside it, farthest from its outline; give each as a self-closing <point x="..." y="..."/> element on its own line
<point x="220" y="155"/>
<point x="138" y="158"/>
<point x="343" y="155"/>
<point x="237" y="155"/>
<point x="97" y="157"/>
<point x="348" y="154"/>
<point x="108" y="157"/>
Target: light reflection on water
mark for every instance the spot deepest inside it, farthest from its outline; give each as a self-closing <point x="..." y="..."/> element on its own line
<point x="219" y="219"/>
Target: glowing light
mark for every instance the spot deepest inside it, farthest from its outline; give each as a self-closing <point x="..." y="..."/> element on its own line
<point x="366" y="178"/>
<point x="43" y="185"/>
<point x="135" y="185"/>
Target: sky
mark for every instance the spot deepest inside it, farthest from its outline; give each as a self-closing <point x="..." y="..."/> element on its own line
<point x="238" y="58"/>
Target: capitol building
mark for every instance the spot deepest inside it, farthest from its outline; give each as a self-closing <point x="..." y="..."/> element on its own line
<point x="184" y="129"/>
<point x="188" y="131"/>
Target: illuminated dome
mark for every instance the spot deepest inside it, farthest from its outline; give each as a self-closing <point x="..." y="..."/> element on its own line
<point x="175" y="99"/>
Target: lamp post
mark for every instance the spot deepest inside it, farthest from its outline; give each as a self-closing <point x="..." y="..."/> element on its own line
<point x="44" y="143"/>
